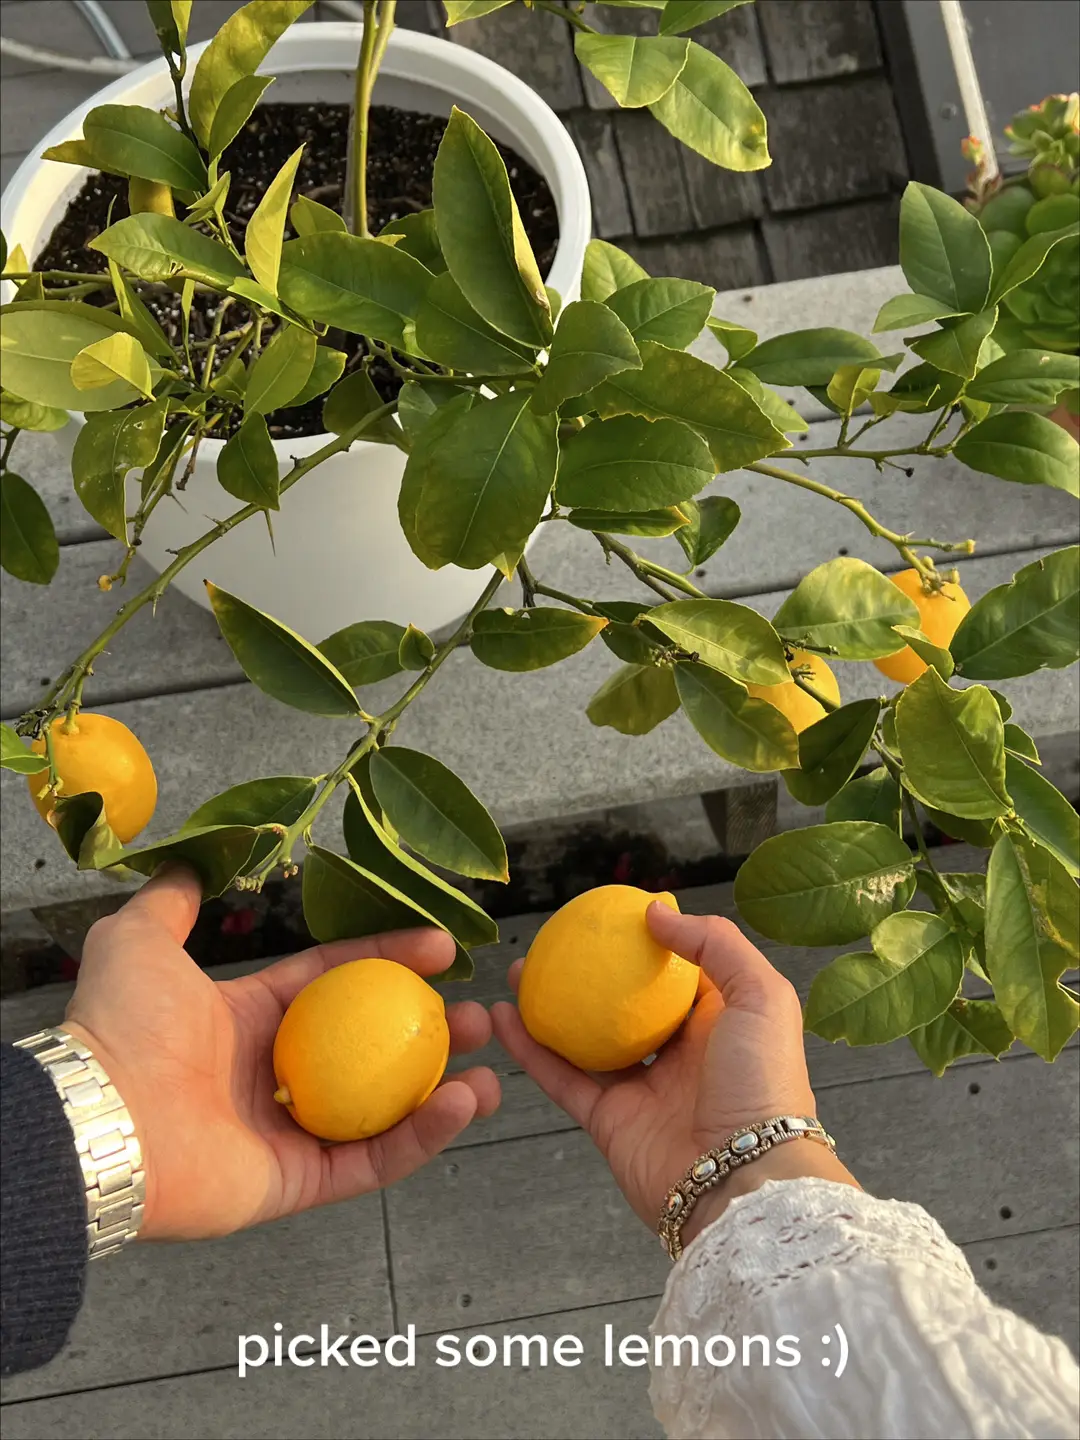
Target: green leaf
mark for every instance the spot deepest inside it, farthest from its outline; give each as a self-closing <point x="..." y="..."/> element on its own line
<point x="737" y="726"/>
<point x="160" y="247"/>
<point x="437" y="814"/>
<point x="353" y="284"/>
<point x="350" y="400"/>
<point x="956" y="349"/>
<point x="115" y="357"/>
<point x="28" y="415"/>
<point x="590" y="344"/>
<point x="459" y="10"/>
<point x="1047" y="816"/>
<point x="278" y="661"/>
<point x="15" y="756"/>
<point x="419" y="238"/>
<point x="953" y="748"/>
<point x="709" y="109"/>
<point x="170" y="19"/>
<point x="711" y="521"/>
<point x="651" y="523"/>
<point x="1028" y="624"/>
<point x="737" y="340"/>
<point x="137" y="318"/>
<point x="281" y="372"/>
<point x="671" y="312"/>
<point x="831" y="750"/>
<point x="266" y="228"/>
<point x="826" y="884"/>
<point x="911" y="978"/>
<point x="38" y="342"/>
<point x="1029" y="260"/>
<point x="686" y="14"/>
<point x="308" y="217"/>
<point x="968" y="1027"/>
<point x="783" y="416"/>
<point x="211" y="204"/>
<point x="944" y="252"/>
<point x="727" y="637"/>
<point x="273" y="800"/>
<point x="808" y="357"/>
<point x="132" y="140"/>
<point x="28" y="546"/>
<point x="1026" y="377"/>
<point x="636" y="69"/>
<point x="217" y="854"/>
<point x="418" y="403"/>
<point x="673" y="385"/>
<point x="367" y="651"/>
<point x="904" y="311"/>
<point x="956" y="891"/>
<point x="238" y="49"/>
<point x="482" y="237"/>
<point x="851" y="386"/>
<point x="374" y="850"/>
<point x="325" y="372"/>
<point x="607" y="269"/>
<point x="84" y="830"/>
<point x="416" y="650"/>
<point x="875" y="797"/>
<point x="247" y="466"/>
<point x="918" y="390"/>
<point x="1026" y="448"/>
<point x="974" y="832"/>
<point x="531" y="639"/>
<point x="343" y="900"/>
<point x="474" y="491"/>
<point x="106" y="449"/>
<point x="450" y="332"/>
<point x="927" y="651"/>
<point x="235" y="111"/>
<point x="629" y="463"/>
<point x="1019" y="742"/>
<point x="1032" y="938"/>
<point x="634" y="700"/>
<point x="848" y="606"/>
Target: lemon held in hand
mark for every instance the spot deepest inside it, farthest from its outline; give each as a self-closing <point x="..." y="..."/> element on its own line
<point x="96" y="752"/>
<point x="940" y="613"/>
<point x="791" y="700"/>
<point x="597" y="988"/>
<point x="360" y="1048"/>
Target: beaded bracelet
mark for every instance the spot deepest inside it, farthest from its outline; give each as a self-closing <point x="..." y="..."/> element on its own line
<point x="740" y="1148"/>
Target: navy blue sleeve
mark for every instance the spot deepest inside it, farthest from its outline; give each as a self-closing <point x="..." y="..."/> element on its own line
<point x="42" y="1216"/>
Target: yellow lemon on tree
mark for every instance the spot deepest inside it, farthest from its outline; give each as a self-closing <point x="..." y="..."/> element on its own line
<point x="940" y="613"/>
<point x="360" y="1048"/>
<point x="96" y="752"/>
<point x="799" y="707"/>
<point x="597" y="988"/>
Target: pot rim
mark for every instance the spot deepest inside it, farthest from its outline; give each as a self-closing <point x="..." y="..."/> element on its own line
<point x="426" y="59"/>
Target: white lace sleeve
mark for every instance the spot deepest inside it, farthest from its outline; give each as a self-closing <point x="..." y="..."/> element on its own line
<point x="928" y="1353"/>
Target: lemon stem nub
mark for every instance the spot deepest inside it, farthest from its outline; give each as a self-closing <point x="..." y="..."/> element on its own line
<point x="282" y="1096"/>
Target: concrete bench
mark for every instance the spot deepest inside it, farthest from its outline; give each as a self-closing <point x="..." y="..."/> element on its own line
<point x="173" y="680"/>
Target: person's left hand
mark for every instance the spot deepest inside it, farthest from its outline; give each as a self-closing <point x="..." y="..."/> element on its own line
<point x="192" y="1060"/>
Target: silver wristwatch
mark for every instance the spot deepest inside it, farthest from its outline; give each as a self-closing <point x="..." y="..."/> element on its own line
<point x="105" y="1139"/>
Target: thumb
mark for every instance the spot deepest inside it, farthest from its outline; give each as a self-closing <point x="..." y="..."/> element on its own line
<point x="170" y="901"/>
<point x="740" y="971"/>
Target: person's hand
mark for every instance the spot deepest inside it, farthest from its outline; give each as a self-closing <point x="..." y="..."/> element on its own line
<point x="192" y="1060"/>
<point x="738" y="1059"/>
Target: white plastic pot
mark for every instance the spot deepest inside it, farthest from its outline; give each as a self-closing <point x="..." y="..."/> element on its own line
<point x="340" y="554"/>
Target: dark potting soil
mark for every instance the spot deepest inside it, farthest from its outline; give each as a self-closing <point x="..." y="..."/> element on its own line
<point x="401" y="157"/>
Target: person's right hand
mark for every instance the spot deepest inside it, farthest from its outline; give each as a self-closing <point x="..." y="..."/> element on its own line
<point x="739" y="1059"/>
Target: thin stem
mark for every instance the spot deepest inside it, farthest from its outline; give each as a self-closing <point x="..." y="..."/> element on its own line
<point x="378" y="726"/>
<point x="827" y="704"/>
<point x="365" y="81"/>
<point x="570" y="16"/>
<point x="177" y="72"/>
<point x="532" y="587"/>
<point x="647" y="571"/>
<point x="54" y="697"/>
<point x="903" y="543"/>
<point x="10" y="436"/>
<point x="101" y="278"/>
<point x="878" y="456"/>
<point x="215" y="339"/>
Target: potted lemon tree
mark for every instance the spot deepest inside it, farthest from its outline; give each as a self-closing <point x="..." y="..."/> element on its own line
<point x="516" y="410"/>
